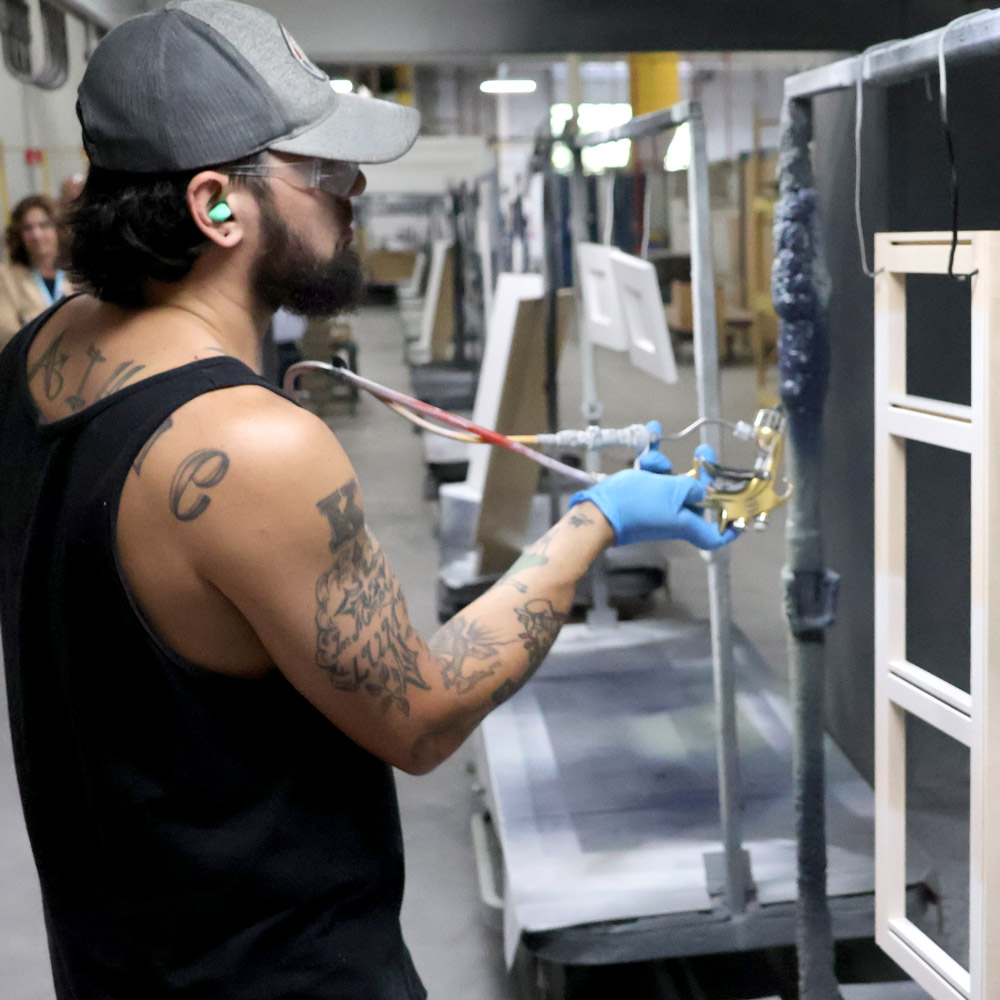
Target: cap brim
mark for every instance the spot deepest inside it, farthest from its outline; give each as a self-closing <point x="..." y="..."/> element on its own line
<point x="360" y="129"/>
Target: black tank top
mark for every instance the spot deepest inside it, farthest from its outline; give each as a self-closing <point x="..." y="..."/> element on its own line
<point x="197" y="836"/>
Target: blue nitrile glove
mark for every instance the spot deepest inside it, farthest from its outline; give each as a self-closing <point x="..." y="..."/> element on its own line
<point x="648" y="504"/>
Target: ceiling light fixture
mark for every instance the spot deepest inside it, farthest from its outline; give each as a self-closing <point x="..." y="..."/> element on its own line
<point x="342" y="86"/>
<point x="508" y="86"/>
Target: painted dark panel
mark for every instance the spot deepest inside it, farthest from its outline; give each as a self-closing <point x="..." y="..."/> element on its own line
<point x="848" y="430"/>
<point x="906" y="185"/>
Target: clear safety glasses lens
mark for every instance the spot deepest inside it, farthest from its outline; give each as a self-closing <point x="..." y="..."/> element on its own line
<point x="336" y="177"/>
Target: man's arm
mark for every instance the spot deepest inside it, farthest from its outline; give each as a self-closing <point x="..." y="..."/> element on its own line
<point x="366" y="644"/>
<point x="269" y="512"/>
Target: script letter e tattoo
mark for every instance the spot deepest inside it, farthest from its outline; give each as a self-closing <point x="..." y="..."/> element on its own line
<point x="201" y="470"/>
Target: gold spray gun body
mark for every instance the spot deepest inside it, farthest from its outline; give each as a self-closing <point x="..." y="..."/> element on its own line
<point x="746" y="496"/>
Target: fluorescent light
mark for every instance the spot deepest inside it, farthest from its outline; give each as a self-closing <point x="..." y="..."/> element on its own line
<point x="342" y="86"/>
<point x="508" y="86"/>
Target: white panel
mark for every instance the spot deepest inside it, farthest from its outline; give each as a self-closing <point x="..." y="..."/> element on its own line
<point x="645" y="321"/>
<point x="439" y="253"/>
<point x="487" y="204"/>
<point x="512" y="290"/>
<point x="410" y="288"/>
<point x="602" y="312"/>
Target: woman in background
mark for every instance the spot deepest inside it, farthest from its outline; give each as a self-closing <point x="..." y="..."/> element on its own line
<point x="31" y="279"/>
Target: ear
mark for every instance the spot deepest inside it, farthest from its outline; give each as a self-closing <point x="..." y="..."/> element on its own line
<point x="204" y="191"/>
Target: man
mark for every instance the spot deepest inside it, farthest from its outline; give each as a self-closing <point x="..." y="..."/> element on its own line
<point x="210" y="665"/>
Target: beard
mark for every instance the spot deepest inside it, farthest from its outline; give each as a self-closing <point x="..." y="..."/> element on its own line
<point x="288" y="274"/>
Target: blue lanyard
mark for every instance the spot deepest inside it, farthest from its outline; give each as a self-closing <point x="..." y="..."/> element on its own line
<point x="57" y="289"/>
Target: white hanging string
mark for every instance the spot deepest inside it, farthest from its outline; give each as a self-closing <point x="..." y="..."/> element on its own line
<point x="859" y="107"/>
<point x="859" y="116"/>
<point x="942" y="68"/>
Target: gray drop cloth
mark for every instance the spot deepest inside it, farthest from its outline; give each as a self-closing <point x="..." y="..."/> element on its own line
<point x="601" y="776"/>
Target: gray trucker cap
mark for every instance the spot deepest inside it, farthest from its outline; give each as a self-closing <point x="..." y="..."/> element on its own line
<point x="208" y="81"/>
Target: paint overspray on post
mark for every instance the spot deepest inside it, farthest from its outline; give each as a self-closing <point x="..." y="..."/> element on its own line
<point x="800" y="288"/>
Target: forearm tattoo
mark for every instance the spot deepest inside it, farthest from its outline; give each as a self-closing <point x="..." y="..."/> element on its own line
<point x="364" y="640"/>
<point x="468" y="653"/>
<point x="579" y="518"/>
<point x="540" y="624"/>
<point x="533" y="555"/>
<point x="536" y="554"/>
<point x="361" y="640"/>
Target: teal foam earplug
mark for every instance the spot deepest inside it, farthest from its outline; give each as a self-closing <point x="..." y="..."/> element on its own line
<point x="220" y="212"/>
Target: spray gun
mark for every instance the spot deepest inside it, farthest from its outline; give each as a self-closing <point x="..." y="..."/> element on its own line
<point x="747" y="496"/>
<point x="735" y="496"/>
<point x="739" y="496"/>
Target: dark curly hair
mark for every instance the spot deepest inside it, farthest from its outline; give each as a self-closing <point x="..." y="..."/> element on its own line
<point x="129" y="228"/>
<point x="14" y="237"/>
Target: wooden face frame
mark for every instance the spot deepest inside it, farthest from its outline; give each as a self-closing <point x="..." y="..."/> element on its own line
<point x="902" y="687"/>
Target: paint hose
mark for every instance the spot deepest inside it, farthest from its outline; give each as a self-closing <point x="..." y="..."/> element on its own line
<point x="800" y="289"/>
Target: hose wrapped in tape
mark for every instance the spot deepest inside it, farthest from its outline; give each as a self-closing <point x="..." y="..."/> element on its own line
<point x="800" y="287"/>
<point x="800" y="284"/>
<point x="636" y="436"/>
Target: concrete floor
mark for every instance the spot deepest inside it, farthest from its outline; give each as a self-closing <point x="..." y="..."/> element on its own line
<point x="455" y="945"/>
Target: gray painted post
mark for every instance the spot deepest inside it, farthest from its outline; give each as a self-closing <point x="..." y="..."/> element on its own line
<point x="601" y="614"/>
<point x="706" y="348"/>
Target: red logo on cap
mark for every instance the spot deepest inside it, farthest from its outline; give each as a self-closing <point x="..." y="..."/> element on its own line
<point x="301" y="58"/>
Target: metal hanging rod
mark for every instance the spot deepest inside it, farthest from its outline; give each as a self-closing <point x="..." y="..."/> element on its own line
<point x="896" y="62"/>
<point x="640" y="126"/>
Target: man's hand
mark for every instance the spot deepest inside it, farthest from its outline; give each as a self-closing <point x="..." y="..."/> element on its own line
<point x="649" y="504"/>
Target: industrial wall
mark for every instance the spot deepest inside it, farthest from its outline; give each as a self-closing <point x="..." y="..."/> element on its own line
<point x="42" y="119"/>
<point x="905" y="187"/>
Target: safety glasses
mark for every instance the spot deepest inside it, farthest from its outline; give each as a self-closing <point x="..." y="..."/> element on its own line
<point x="336" y="177"/>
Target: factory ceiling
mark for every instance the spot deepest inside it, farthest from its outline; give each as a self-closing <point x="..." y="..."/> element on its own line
<point x="418" y="30"/>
